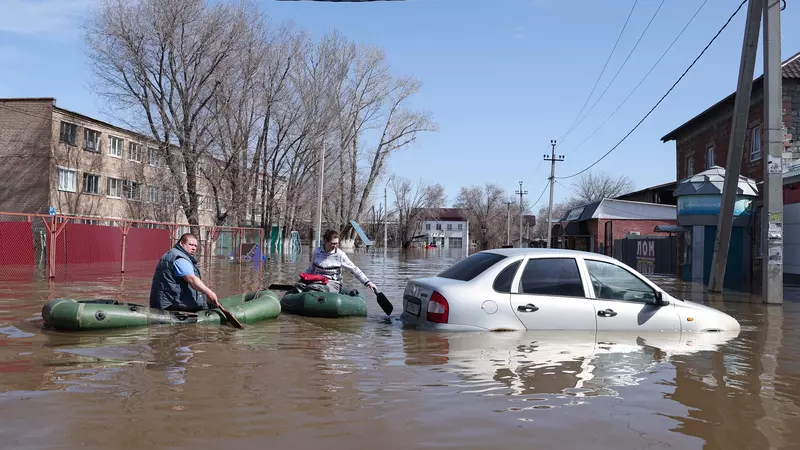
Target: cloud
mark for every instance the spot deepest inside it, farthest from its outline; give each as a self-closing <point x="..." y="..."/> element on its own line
<point x="43" y="17"/>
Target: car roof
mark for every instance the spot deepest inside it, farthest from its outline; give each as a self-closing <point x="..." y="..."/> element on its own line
<point x="547" y="252"/>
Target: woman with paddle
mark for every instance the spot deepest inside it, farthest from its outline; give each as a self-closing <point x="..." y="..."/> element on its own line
<point x="328" y="262"/>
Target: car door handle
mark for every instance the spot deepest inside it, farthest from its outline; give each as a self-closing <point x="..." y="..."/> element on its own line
<point x="607" y="313"/>
<point x="530" y="307"/>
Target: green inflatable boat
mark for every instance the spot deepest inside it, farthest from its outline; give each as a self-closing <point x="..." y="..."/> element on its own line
<point x="69" y="314"/>
<point x="345" y="303"/>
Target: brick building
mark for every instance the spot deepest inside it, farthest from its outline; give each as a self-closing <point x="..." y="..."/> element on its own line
<point x="54" y="157"/>
<point x="594" y="227"/>
<point x="702" y="142"/>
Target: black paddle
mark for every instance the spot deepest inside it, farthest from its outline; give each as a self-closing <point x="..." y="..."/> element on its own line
<point x="384" y="303"/>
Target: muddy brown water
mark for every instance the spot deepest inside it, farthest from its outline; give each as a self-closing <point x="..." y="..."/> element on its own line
<point x="346" y="383"/>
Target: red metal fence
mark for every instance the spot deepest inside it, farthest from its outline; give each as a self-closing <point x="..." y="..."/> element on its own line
<point x="35" y="243"/>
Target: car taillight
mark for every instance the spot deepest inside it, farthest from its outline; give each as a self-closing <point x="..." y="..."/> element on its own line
<point x="438" y="309"/>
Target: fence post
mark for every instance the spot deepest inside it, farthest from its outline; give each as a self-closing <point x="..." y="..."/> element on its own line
<point x="126" y="226"/>
<point x="173" y="235"/>
<point x="238" y="252"/>
<point x="261" y="254"/>
<point x="52" y="250"/>
<point x="54" y="229"/>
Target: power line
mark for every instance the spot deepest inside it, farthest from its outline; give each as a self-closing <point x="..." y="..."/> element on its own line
<point x="641" y="36"/>
<point x="643" y="79"/>
<point x="625" y="25"/>
<point x="665" y="95"/>
<point x="546" y="184"/>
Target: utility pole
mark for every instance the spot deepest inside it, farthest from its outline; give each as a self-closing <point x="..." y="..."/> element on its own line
<point x="520" y="192"/>
<point x="386" y="217"/>
<point x="553" y="159"/>
<point x="741" y="110"/>
<point x="508" y="222"/>
<point x="319" y="198"/>
<point x="772" y="210"/>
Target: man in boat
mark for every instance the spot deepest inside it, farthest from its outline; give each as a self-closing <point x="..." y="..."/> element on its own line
<point x="328" y="262"/>
<point x="176" y="282"/>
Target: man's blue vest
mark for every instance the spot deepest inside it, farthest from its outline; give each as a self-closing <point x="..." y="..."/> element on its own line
<point x="168" y="290"/>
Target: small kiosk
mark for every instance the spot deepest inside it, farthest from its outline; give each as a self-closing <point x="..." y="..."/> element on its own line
<point x="699" y="201"/>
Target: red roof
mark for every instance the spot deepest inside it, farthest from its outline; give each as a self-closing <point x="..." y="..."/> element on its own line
<point x="790" y="70"/>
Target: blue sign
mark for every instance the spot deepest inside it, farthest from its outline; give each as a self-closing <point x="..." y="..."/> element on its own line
<point x="52" y="211"/>
<point x="709" y="205"/>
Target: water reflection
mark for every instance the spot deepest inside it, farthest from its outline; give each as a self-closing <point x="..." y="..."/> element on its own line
<point x="572" y="364"/>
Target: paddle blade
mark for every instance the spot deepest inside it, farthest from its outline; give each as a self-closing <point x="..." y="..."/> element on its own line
<point x="384" y="303"/>
<point x="230" y="318"/>
<point x="281" y="287"/>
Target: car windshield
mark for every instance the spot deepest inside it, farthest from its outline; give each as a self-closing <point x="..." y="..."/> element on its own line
<point x="471" y="266"/>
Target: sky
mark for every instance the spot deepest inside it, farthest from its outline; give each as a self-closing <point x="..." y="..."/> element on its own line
<point x="501" y="78"/>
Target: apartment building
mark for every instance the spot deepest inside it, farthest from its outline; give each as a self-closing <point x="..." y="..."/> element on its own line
<point x="78" y="165"/>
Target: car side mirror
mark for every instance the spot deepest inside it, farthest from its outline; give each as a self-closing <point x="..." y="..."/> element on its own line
<point x="660" y="301"/>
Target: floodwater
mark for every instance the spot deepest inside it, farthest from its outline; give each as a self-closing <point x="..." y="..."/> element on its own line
<point x="345" y="383"/>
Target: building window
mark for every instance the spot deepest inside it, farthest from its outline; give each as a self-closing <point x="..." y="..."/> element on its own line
<point x="454" y="242"/>
<point x="134" y="152"/>
<point x="449" y="227"/>
<point x="115" y="146"/>
<point x="131" y="190"/>
<point x="91" y="140"/>
<point x="69" y="132"/>
<point x="91" y="183"/>
<point x="153" y="157"/>
<point x="114" y="187"/>
<point x="427" y="227"/>
<point x="461" y="227"/>
<point x="689" y="166"/>
<point x="710" y="157"/>
<point x="755" y="143"/>
<point x="154" y="194"/>
<point x="438" y="227"/>
<point x="66" y="179"/>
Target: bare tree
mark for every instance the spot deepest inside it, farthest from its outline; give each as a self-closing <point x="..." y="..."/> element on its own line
<point x="163" y="60"/>
<point x="436" y="197"/>
<point x="414" y="203"/>
<point x="242" y="110"/>
<point x="485" y="208"/>
<point x="559" y="210"/>
<point x="592" y="187"/>
<point x="369" y="101"/>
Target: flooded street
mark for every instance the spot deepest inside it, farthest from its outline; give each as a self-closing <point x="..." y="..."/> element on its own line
<point x="299" y="382"/>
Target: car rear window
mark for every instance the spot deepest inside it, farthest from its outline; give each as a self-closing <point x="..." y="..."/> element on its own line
<point x="471" y="266"/>
<point x="503" y="281"/>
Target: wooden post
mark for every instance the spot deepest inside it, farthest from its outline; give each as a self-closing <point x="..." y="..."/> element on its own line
<point x="126" y="226"/>
<point x="54" y="229"/>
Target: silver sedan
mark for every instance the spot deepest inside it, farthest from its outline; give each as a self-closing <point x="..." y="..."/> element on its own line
<point x="550" y="289"/>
